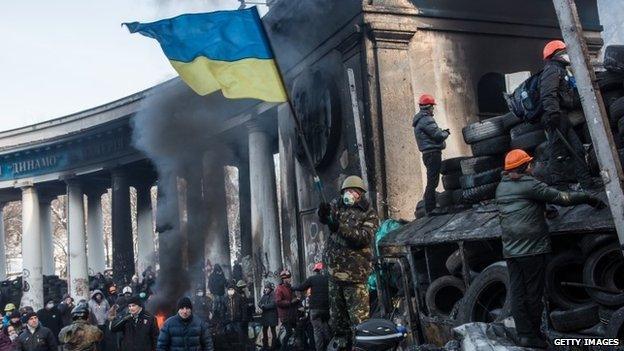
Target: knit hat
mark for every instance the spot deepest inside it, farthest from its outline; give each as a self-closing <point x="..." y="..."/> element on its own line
<point x="185" y="302"/>
<point x="134" y="300"/>
<point x="15" y="314"/>
<point x="27" y="317"/>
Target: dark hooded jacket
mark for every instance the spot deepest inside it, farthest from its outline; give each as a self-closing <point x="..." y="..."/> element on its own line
<point x="521" y="201"/>
<point x="51" y="319"/>
<point x="178" y="334"/>
<point x="556" y="93"/>
<point x="217" y="281"/>
<point x="269" y="309"/>
<point x="429" y="136"/>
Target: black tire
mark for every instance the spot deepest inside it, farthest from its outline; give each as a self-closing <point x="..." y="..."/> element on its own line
<point x="487" y="299"/>
<point x="614" y="58"/>
<point x="458" y="197"/>
<point x="528" y="141"/>
<point x="442" y="295"/>
<point x="566" y="267"/>
<point x="492" y="146"/>
<point x="451" y="181"/>
<point x="601" y="269"/>
<point x="479" y="193"/>
<point x="608" y="81"/>
<point x="420" y="210"/>
<point x="510" y="120"/>
<point x="616" y="109"/>
<point x="454" y="263"/>
<point x="444" y="199"/>
<point x="615" y="327"/>
<point x="524" y="128"/>
<point x="486" y="129"/>
<point x="575" y="319"/>
<point x="592" y="242"/>
<point x="476" y="165"/>
<point x="451" y="165"/>
<point x="620" y="126"/>
<point x="474" y="180"/>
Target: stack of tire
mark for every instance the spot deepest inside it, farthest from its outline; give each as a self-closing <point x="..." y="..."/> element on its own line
<point x="489" y="141"/>
<point x="54" y="288"/>
<point x="594" y="303"/>
<point x="451" y="175"/>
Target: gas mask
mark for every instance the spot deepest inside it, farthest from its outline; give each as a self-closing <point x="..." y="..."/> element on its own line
<point x="200" y="293"/>
<point x="348" y="199"/>
<point x="50" y="305"/>
<point x="231" y="292"/>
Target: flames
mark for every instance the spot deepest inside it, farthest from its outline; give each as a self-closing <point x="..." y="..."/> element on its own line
<point x="160" y="319"/>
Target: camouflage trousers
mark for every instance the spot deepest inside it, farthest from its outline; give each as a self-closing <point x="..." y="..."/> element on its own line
<point x="348" y="307"/>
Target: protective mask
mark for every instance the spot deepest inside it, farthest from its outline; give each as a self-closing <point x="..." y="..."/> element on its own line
<point x="200" y="293"/>
<point x="230" y="292"/>
<point x="49" y="306"/>
<point x="565" y="58"/>
<point x="348" y="199"/>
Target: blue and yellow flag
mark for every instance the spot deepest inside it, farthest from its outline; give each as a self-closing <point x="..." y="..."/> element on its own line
<point x="224" y="50"/>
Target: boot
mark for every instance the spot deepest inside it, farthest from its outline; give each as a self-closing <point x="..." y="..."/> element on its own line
<point x="532" y="342"/>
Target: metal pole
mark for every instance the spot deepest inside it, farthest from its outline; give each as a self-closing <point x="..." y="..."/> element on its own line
<point x="591" y="99"/>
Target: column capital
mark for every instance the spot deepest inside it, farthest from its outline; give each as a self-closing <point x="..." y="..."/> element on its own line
<point x="389" y="36"/>
<point x="254" y="126"/>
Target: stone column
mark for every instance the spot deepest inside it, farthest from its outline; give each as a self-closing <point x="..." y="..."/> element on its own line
<point x="196" y="229"/>
<point x="47" y="242"/>
<point x="145" y="228"/>
<point x="32" y="284"/>
<point x="95" y="233"/>
<point x="3" y="262"/>
<point x="293" y="257"/>
<point x="244" y="200"/>
<point x="215" y="205"/>
<point x="264" y="217"/>
<point x="123" y="247"/>
<point x="78" y="274"/>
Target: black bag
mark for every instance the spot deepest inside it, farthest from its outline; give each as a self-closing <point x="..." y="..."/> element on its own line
<point x="377" y="335"/>
<point x="525" y="102"/>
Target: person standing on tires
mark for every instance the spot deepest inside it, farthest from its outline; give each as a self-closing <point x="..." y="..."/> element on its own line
<point x="431" y="141"/>
<point x="352" y="223"/>
<point x="521" y="201"/>
<point x="557" y="98"/>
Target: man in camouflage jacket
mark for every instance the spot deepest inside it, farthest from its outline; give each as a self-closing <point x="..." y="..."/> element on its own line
<point x="80" y="335"/>
<point x="352" y="223"/>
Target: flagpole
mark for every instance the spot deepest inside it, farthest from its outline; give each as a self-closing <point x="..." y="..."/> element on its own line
<point x="298" y="127"/>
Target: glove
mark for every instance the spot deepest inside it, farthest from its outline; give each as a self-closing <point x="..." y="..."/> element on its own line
<point x="596" y="202"/>
<point x="324" y="210"/>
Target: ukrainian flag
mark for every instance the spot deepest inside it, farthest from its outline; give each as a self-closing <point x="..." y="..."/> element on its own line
<point x="224" y="50"/>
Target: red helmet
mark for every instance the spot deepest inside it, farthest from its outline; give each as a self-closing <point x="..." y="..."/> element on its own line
<point x="318" y="266"/>
<point x="426" y="99"/>
<point x="552" y="47"/>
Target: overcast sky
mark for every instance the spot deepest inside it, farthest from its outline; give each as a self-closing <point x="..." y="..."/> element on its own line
<point x="64" y="56"/>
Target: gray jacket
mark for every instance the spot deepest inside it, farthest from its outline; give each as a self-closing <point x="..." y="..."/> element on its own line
<point x="99" y="311"/>
<point x="428" y="135"/>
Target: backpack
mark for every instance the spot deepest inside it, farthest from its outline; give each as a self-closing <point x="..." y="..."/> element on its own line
<point x="524" y="102"/>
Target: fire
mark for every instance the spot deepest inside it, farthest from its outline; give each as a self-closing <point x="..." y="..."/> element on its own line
<point x="160" y="319"/>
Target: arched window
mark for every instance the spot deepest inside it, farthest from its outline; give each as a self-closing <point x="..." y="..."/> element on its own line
<point x="490" y="95"/>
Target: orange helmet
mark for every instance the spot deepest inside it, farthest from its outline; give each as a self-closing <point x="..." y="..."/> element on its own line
<point x="552" y="47"/>
<point x="426" y="99"/>
<point x="318" y="266"/>
<point x="516" y="158"/>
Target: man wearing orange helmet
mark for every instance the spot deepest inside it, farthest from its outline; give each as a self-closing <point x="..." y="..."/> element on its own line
<point x="557" y="98"/>
<point x="318" y="283"/>
<point x="521" y="201"/>
<point x="431" y="141"/>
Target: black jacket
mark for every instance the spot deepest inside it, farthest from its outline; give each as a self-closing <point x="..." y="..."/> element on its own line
<point x="52" y="320"/>
<point x="269" y="309"/>
<point x="41" y="340"/>
<point x="319" y="291"/>
<point x="65" y="311"/>
<point x="202" y="307"/>
<point x="217" y="281"/>
<point x="428" y="135"/>
<point x="138" y="334"/>
<point x="556" y="93"/>
<point x="235" y="308"/>
<point x="185" y="335"/>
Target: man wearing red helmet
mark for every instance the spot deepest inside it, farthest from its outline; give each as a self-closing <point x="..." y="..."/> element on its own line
<point x="318" y="283"/>
<point x="521" y="201"/>
<point x="557" y="98"/>
<point x="431" y="141"/>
